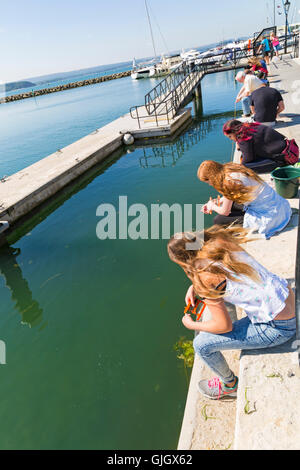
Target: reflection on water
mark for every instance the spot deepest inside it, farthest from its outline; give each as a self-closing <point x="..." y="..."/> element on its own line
<point x="162" y="156"/>
<point x="21" y="295"/>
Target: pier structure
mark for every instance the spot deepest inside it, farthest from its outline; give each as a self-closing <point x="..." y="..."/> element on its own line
<point x="266" y="414"/>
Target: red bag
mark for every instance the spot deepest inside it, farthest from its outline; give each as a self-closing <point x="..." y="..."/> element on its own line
<point x="291" y="152"/>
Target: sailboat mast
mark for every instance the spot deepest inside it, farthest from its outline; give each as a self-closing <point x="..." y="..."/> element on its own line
<point x="150" y="28"/>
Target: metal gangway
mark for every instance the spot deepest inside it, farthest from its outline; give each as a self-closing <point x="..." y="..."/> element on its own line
<point x="170" y="95"/>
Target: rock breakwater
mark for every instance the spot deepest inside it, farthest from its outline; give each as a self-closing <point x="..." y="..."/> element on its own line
<point x="67" y="86"/>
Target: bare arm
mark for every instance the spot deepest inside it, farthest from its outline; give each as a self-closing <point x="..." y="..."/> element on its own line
<point x="219" y="324"/>
<point x="225" y="207"/>
<point x="280" y="108"/>
<point x="240" y="94"/>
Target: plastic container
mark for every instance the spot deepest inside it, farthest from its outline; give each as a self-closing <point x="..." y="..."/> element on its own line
<point x="286" y="181"/>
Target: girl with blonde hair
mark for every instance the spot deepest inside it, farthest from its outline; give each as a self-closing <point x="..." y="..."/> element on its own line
<point x="220" y="270"/>
<point x="265" y="210"/>
<point x="275" y="43"/>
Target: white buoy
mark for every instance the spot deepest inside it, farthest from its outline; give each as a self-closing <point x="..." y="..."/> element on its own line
<point x="4" y="225"/>
<point x="128" y="139"/>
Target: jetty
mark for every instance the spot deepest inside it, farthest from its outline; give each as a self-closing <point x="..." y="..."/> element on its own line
<point x="266" y="414"/>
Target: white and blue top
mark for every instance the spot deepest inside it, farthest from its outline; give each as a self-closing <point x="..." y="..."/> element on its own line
<point x="268" y="213"/>
<point x="263" y="301"/>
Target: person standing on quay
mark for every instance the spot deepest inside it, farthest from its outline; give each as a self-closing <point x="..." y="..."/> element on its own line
<point x="275" y="44"/>
<point x="266" y="46"/>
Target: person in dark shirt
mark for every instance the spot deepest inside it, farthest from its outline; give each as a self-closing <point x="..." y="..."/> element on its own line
<point x="261" y="146"/>
<point x="266" y="104"/>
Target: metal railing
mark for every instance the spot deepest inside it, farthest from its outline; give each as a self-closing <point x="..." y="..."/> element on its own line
<point x="259" y="36"/>
<point x="168" y="96"/>
<point x="187" y="76"/>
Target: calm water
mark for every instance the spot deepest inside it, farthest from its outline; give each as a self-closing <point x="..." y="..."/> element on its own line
<point x="90" y="325"/>
<point x="34" y="128"/>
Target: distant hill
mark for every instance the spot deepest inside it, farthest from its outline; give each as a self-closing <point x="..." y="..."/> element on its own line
<point x="15" y="86"/>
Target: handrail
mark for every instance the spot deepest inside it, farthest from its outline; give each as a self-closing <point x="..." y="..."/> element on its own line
<point x="187" y="76"/>
<point x="168" y="96"/>
<point x="260" y="36"/>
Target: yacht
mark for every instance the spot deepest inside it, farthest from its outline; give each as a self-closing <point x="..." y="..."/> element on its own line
<point x="190" y="56"/>
<point x="142" y="71"/>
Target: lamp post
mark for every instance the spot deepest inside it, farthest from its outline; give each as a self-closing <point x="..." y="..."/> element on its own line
<point x="287" y="5"/>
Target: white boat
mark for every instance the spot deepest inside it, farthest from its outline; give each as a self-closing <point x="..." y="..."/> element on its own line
<point x="160" y="69"/>
<point x="190" y="56"/>
<point x="149" y="71"/>
<point x="142" y="71"/>
<point x="145" y="70"/>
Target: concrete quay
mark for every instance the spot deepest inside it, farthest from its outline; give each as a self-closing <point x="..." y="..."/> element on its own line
<point x="269" y="380"/>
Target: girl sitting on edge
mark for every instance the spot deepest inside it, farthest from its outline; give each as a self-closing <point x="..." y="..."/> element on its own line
<point x="220" y="270"/>
<point x="265" y="210"/>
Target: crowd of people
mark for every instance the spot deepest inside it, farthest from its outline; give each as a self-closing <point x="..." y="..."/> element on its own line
<point x="219" y="268"/>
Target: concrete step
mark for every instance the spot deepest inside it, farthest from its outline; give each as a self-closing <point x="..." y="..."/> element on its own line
<point x="268" y="406"/>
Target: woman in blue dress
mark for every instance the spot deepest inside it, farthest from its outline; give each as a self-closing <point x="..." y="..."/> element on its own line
<point x="264" y="209"/>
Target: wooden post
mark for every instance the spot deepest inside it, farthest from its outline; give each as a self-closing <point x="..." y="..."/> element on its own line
<point x="198" y="104"/>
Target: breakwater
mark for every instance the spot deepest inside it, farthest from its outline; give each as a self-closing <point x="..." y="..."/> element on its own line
<point x="67" y="86"/>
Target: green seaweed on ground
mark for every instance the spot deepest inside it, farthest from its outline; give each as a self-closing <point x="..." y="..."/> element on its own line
<point x="275" y="375"/>
<point x="204" y="414"/>
<point x="247" y="409"/>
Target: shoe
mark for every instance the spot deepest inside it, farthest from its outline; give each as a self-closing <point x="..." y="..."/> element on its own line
<point x="215" y="389"/>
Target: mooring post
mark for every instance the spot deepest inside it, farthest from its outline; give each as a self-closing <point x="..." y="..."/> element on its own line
<point x="198" y="105"/>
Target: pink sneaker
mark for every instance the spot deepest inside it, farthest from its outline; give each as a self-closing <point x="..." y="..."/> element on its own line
<point x="215" y="389"/>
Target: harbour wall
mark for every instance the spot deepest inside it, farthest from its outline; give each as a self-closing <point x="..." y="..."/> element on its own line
<point x="67" y="86"/>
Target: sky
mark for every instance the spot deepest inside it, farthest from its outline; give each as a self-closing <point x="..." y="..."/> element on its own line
<point x="40" y="37"/>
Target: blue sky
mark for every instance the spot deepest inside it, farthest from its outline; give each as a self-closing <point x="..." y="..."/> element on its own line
<point x="49" y="36"/>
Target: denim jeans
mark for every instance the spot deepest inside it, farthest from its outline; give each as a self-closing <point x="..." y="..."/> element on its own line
<point x="244" y="335"/>
<point x="246" y="105"/>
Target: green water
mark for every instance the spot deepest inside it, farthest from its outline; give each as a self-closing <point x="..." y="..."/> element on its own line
<point x="90" y="325"/>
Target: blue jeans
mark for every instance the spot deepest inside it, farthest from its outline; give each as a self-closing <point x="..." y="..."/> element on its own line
<point x="246" y="104"/>
<point x="244" y="335"/>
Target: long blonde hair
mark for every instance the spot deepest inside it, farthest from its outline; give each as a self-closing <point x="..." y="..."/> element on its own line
<point x="254" y="61"/>
<point x="218" y="175"/>
<point x="211" y="255"/>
